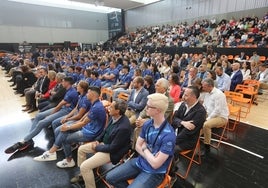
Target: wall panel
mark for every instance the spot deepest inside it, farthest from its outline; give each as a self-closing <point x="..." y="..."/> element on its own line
<point x="173" y="11"/>
<point x="32" y="23"/>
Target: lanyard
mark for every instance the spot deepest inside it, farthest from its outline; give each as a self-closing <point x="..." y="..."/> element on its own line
<point x="160" y="130"/>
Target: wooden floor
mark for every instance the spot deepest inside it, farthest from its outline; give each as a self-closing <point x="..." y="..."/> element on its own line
<point x="10" y="107"/>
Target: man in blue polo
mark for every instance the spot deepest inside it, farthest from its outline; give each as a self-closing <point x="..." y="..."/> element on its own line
<point x="44" y="119"/>
<point x="124" y="81"/>
<point x="155" y="145"/>
<point x="111" y="76"/>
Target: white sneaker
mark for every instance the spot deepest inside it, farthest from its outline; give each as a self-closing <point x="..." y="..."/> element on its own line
<point x="46" y="156"/>
<point x="65" y="164"/>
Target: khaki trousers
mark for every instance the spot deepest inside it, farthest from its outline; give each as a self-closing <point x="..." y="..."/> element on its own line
<point x="131" y="116"/>
<point x="87" y="165"/>
<point x="212" y="123"/>
<point x="263" y="86"/>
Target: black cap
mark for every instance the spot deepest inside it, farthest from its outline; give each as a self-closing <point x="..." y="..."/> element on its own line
<point x="69" y="79"/>
<point x="95" y="89"/>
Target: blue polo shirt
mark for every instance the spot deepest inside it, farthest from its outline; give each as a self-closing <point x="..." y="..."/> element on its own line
<point x="96" y="83"/>
<point x="125" y="78"/>
<point x="83" y="102"/>
<point x="71" y="97"/>
<point x="164" y="142"/>
<point x="97" y="116"/>
<point x="115" y="72"/>
<point x="146" y="72"/>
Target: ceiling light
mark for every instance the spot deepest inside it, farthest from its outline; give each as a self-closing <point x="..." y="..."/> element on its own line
<point x="70" y="5"/>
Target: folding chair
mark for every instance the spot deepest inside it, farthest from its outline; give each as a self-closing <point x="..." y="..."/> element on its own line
<point x="103" y="170"/>
<point x="191" y="156"/>
<point x="106" y="97"/>
<point x="234" y="112"/>
<point x="167" y="180"/>
<point x="256" y="85"/>
<point x="237" y="99"/>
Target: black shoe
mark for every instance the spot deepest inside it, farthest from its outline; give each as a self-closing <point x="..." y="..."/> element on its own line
<point x="12" y="85"/>
<point x="206" y="150"/>
<point x="22" y="95"/>
<point x="19" y="146"/>
<point x="77" y="179"/>
<point x="32" y="110"/>
<point x="15" y="88"/>
<point x="17" y="93"/>
<point x="10" y="80"/>
<point x="26" y="109"/>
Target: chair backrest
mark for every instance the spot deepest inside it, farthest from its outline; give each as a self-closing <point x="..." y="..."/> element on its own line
<point x="123" y="96"/>
<point x="241" y="87"/>
<point x="253" y="83"/>
<point x="108" y="93"/>
<point x="231" y="94"/>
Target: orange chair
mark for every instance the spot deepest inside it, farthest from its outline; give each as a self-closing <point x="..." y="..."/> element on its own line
<point x="235" y="113"/>
<point x="230" y="57"/>
<point x="190" y="155"/>
<point x="165" y="183"/>
<point x="250" y="90"/>
<point x="109" y="96"/>
<point x="123" y="96"/>
<point x="237" y="99"/>
<point x="262" y="58"/>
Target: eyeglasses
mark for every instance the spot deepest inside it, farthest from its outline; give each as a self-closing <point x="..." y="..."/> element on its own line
<point x="148" y="106"/>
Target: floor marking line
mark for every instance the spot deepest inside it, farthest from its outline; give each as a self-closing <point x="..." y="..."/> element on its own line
<point x="237" y="147"/>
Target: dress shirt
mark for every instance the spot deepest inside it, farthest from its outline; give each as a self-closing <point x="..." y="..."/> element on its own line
<point x="215" y="104"/>
<point x="224" y="82"/>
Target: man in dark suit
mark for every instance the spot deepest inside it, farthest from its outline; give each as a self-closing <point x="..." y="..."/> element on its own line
<point x="189" y="120"/>
<point x="137" y="100"/>
<point x="41" y="86"/>
<point x="236" y="77"/>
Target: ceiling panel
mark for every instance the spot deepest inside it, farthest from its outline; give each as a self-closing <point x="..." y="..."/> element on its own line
<point x="121" y="4"/>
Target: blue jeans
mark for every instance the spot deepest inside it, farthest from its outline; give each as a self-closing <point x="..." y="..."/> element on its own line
<point x="44" y="119"/>
<point x="118" y="177"/>
<point x="66" y="139"/>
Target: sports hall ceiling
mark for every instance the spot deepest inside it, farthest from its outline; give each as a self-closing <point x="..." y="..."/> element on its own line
<point x="120" y="4"/>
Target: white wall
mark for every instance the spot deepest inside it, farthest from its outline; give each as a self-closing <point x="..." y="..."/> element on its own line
<point x="18" y="34"/>
<point x="40" y="24"/>
<point x="171" y="11"/>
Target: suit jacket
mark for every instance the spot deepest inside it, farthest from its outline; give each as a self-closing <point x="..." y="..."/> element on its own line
<point x="140" y="102"/>
<point x="42" y="85"/>
<point x="118" y="136"/>
<point x="236" y="79"/>
<point x="187" y="139"/>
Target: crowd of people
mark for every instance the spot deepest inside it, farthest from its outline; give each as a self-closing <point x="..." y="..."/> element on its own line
<point x="166" y="94"/>
<point x="224" y="33"/>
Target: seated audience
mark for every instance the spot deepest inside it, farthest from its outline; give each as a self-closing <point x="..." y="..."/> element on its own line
<point x="149" y="84"/>
<point x="52" y="83"/>
<point x="246" y="72"/>
<point x="111" y="76"/>
<point x="217" y="111"/>
<point x="155" y="146"/>
<point x="84" y="130"/>
<point x="44" y="119"/>
<point x="263" y="76"/>
<point x="56" y="94"/>
<point x="40" y="87"/>
<point x="161" y="86"/>
<point x="137" y="100"/>
<point x="174" y="88"/>
<point x="110" y="146"/>
<point x="236" y="76"/>
<point x="223" y="79"/>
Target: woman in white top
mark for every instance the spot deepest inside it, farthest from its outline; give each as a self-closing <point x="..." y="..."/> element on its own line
<point x="246" y="70"/>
